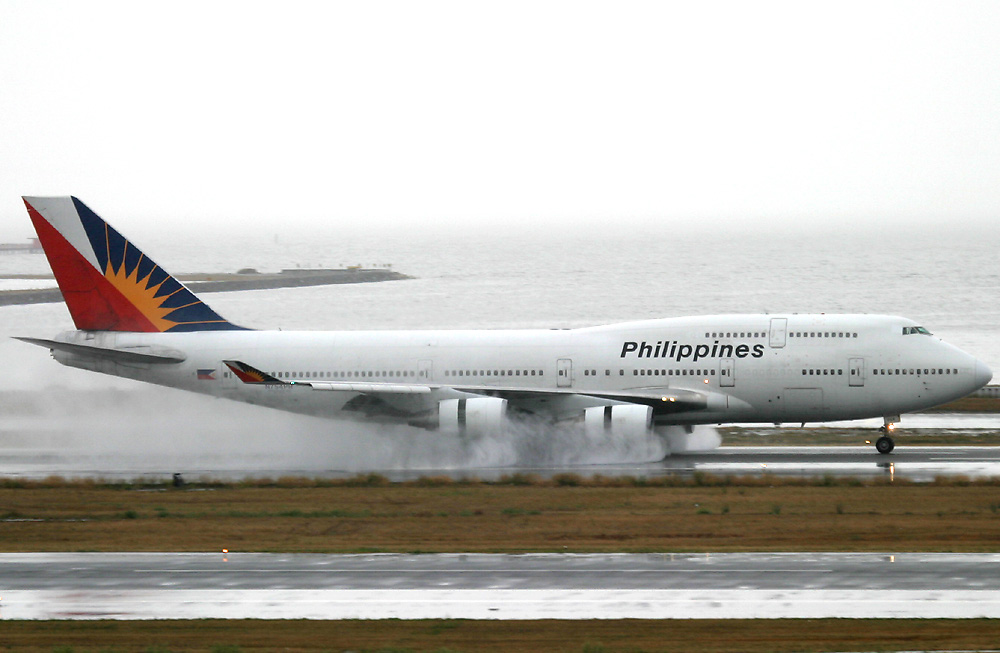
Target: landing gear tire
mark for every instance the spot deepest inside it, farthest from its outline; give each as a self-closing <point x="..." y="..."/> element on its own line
<point x="884" y="444"/>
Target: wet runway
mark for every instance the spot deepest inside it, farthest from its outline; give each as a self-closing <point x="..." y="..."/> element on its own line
<point x="919" y="463"/>
<point x="477" y="586"/>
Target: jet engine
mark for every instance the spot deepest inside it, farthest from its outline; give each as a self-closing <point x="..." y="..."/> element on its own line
<point x="473" y="418"/>
<point x="626" y="420"/>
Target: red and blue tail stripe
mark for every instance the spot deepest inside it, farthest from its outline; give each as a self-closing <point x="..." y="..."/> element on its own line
<point x="107" y="282"/>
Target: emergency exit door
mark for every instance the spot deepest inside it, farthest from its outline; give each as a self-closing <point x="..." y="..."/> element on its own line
<point x="564" y="373"/>
<point x="856" y="372"/>
<point x="727" y="372"/>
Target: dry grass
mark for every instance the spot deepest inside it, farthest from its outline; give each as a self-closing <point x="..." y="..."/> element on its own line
<point x="569" y="513"/>
<point x="970" y="405"/>
<point x="595" y="636"/>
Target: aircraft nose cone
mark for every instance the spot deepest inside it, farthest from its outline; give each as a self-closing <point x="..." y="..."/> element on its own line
<point x="983" y="374"/>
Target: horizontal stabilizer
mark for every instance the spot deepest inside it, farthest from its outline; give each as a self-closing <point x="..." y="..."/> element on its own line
<point x="118" y="355"/>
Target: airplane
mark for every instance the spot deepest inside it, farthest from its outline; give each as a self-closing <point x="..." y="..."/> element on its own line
<point x="135" y="320"/>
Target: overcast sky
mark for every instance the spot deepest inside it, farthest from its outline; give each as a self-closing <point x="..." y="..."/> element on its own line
<point x="443" y="113"/>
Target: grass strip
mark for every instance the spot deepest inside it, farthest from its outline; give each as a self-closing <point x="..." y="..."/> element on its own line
<point x="467" y="636"/>
<point x="519" y="514"/>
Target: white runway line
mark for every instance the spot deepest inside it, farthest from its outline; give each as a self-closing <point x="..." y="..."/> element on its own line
<point x="498" y="604"/>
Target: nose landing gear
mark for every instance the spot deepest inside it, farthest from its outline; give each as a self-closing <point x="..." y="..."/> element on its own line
<point x="885" y="444"/>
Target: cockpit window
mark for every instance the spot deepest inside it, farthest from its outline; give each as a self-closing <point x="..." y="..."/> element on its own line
<point x="917" y="329"/>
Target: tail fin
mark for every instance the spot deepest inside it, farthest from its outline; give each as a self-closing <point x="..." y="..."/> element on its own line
<point x="107" y="282"/>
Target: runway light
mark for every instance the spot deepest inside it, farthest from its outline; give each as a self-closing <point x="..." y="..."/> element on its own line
<point x="868" y="441"/>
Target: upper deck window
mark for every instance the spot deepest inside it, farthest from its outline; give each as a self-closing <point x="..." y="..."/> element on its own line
<point x="917" y="329"/>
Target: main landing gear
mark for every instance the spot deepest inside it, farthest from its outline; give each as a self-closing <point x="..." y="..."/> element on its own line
<point x="885" y="444"/>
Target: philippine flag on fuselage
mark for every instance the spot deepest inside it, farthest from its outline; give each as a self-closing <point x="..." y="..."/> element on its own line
<point x="206" y="375"/>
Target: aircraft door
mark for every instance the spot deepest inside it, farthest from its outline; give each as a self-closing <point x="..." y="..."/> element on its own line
<point x="425" y="368"/>
<point x="727" y="372"/>
<point x="779" y="329"/>
<point x="856" y="372"/>
<point x="564" y="373"/>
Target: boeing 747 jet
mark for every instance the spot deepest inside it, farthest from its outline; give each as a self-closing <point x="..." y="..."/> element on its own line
<point x="135" y="320"/>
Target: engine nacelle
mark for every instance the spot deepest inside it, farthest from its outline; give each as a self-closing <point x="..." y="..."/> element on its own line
<point x="627" y="420"/>
<point x="473" y="418"/>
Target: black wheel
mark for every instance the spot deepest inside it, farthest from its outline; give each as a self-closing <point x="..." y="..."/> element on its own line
<point x="884" y="444"/>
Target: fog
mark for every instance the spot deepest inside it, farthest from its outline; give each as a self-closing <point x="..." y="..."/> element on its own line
<point x="453" y="115"/>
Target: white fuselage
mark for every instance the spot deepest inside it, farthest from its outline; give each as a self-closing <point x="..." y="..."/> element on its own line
<point x="753" y="368"/>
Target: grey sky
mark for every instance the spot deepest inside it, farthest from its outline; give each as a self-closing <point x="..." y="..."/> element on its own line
<point x="445" y="113"/>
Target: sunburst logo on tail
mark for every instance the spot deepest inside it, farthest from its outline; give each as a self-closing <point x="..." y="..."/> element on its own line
<point x="141" y="294"/>
<point x="107" y="282"/>
<point x="162" y="300"/>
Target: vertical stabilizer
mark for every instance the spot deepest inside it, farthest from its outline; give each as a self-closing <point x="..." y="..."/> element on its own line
<point x="107" y="282"/>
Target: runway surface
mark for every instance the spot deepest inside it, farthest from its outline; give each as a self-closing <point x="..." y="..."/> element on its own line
<point x="916" y="463"/>
<point x="487" y="586"/>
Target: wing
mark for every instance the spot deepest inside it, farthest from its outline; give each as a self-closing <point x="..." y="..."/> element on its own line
<point x="556" y="401"/>
<point x="251" y="375"/>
